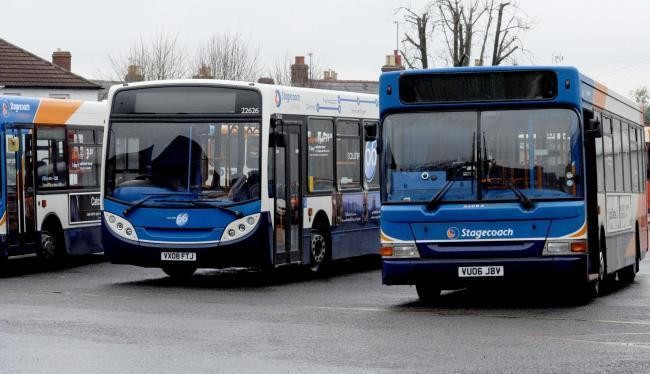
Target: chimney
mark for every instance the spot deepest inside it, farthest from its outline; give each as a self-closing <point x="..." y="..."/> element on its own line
<point x="62" y="59"/>
<point x="393" y="62"/>
<point x="330" y="75"/>
<point x="134" y="74"/>
<point x="204" y="73"/>
<point x="266" y="80"/>
<point x="299" y="72"/>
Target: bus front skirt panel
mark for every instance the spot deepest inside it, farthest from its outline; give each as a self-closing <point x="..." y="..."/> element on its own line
<point x="251" y="251"/>
<point x="446" y="272"/>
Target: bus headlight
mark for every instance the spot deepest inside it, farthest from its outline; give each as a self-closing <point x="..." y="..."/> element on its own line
<point x="399" y="251"/>
<point x="120" y="226"/>
<point x="241" y="227"/>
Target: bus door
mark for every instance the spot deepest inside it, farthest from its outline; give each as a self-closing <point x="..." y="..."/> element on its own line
<point x="19" y="166"/>
<point x="288" y="204"/>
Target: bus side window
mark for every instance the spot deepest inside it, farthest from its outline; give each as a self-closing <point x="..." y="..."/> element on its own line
<point x="625" y="143"/>
<point x="600" y="160"/>
<point x="51" y="166"/>
<point x="609" y="154"/>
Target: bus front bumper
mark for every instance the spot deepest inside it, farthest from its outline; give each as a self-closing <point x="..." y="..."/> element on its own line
<point x="445" y="272"/>
<point x="253" y="250"/>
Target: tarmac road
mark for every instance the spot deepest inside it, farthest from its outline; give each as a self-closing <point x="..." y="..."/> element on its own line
<point x="94" y="317"/>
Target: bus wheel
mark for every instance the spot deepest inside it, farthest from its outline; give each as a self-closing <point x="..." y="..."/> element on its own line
<point x="179" y="272"/>
<point x="49" y="246"/>
<point x="428" y="292"/>
<point x="318" y="250"/>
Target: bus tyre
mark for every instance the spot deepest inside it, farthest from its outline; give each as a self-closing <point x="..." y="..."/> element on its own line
<point x="318" y="251"/>
<point x="428" y="292"/>
<point x="179" y="272"/>
<point x="50" y="246"/>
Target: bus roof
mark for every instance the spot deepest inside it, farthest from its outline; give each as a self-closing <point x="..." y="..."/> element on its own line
<point x="573" y="89"/>
<point x="43" y="111"/>
<point x="285" y="99"/>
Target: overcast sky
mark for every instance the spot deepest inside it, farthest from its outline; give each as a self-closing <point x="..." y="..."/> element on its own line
<point x="606" y="39"/>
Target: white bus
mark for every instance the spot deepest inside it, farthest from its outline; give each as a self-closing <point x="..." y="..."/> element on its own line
<point x="51" y="152"/>
<point x="207" y="173"/>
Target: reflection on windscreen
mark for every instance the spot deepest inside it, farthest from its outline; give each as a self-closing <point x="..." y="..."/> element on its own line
<point x="482" y="155"/>
<point x="215" y="161"/>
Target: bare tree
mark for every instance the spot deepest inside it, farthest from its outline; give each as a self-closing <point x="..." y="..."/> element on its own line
<point x="509" y="25"/>
<point x="499" y="22"/>
<point x="414" y="45"/>
<point x="459" y="19"/>
<point x="160" y="57"/>
<point x="281" y="70"/>
<point x="228" y="56"/>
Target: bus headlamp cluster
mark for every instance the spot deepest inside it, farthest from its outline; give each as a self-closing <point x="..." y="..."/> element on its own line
<point x="568" y="247"/>
<point x="120" y="226"/>
<point x="399" y="251"/>
<point x="241" y="227"/>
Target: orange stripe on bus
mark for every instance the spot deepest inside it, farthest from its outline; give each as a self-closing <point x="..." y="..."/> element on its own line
<point x="600" y="95"/>
<point x="56" y="112"/>
<point x="580" y="232"/>
<point x="3" y="219"/>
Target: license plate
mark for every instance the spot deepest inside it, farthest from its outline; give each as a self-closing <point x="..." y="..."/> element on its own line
<point x="480" y="271"/>
<point x="178" y="256"/>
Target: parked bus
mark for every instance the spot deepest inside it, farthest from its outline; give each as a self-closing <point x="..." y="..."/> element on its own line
<point x="213" y="174"/>
<point x="50" y="200"/>
<point x="502" y="173"/>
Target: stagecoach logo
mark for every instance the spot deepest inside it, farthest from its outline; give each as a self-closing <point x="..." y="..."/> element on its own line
<point x="453" y="233"/>
<point x="181" y="219"/>
<point x="278" y="98"/>
<point x="5" y="108"/>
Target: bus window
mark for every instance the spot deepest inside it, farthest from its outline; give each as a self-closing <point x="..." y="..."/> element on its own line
<point x="348" y="154"/>
<point x="618" y="155"/>
<point x="634" y="158"/>
<point x="83" y="158"/>
<point x="320" y="163"/>
<point x="625" y="142"/>
<point x="371" y="164"/>
<point x="51" y="166"/>
<point x="600" y="167"/>
<point x="609" y="154"/>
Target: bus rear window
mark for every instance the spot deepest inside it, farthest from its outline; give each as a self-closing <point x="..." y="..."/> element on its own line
<point x="477" y="87"/>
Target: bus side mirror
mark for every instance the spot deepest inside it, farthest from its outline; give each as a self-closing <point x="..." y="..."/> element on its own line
<point x="594" y="128"/>
<point x="371" y="131"/>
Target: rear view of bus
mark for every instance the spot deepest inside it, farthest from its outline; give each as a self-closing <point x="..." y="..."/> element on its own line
<point x="182" y="176"/>
<point x="495" y="174"/>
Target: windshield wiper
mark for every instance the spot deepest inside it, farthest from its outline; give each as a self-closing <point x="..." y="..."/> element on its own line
<point x="431" y="205"/>
<point x="525" y="201"/>
<point x="139" y="203"/>
<point x="204" y="204"/>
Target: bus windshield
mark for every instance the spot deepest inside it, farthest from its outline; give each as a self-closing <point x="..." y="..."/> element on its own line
<point x="487" y="155"/>
<point x="211" y="161"/>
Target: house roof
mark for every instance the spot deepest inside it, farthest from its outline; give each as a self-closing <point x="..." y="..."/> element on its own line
<point x="370" y="87"/>
<point x="22" y="69"/>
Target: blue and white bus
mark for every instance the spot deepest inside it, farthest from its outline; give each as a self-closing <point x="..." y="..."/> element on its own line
<point x="501" y="173"/>
<point x="213" y="174"/>
<point x="50" y="200"/>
